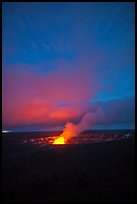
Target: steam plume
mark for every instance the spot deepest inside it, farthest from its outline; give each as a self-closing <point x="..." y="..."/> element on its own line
<point x="72" y="130"/>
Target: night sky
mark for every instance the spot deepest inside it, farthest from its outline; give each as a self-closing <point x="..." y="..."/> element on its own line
<point x="61" y="61"/>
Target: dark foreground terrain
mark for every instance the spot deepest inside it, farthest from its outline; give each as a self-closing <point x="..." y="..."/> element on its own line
<point x="75" y="172"/>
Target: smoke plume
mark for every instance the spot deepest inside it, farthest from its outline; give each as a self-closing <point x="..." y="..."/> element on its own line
<point x="72" y="130"/>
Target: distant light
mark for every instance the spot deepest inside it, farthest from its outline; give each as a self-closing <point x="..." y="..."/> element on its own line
<point x="5" y="131"/>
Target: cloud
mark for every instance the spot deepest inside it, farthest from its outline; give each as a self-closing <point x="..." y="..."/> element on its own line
<point x="120" y="110"/>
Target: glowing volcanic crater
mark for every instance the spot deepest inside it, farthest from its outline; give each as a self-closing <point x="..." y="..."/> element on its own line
<point x="59" y="140"/>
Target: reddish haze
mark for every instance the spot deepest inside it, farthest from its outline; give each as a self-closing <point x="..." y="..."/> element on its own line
<point x="53" y="98"/>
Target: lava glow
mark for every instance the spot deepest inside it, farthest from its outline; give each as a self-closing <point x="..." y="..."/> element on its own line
<point x="59" y="140"/>
<point x="68" y="132"/>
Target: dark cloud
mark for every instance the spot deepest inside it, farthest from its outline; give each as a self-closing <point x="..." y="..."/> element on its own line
<point x="113" y="111"/>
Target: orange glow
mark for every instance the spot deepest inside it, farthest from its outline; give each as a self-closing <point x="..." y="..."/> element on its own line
<point x="59" y="140"/>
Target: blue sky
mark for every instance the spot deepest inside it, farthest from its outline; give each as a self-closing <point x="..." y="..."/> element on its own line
<point x="60" y="60"/>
